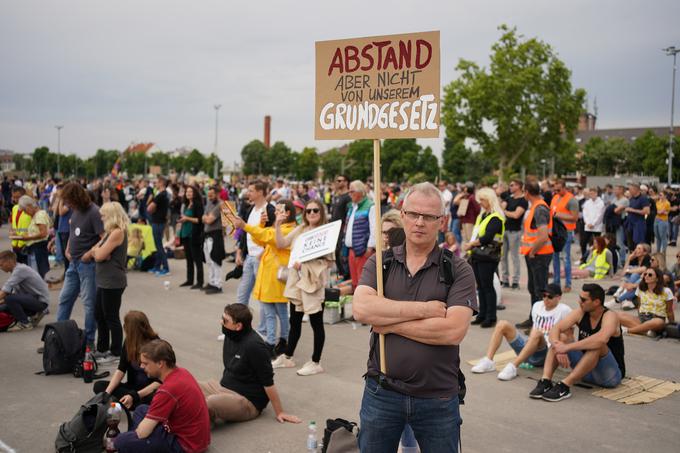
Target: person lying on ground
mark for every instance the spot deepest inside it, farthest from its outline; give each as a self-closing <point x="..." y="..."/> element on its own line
<point x="532" y="349"/>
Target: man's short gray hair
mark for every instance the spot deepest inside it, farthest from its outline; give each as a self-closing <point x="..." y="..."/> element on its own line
<point x="358" y="186"/>
<point x="25" y="201"/>
<point x="429" y="190"/>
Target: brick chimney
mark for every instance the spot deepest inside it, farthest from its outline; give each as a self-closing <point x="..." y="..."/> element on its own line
<point x="267" y="130"/>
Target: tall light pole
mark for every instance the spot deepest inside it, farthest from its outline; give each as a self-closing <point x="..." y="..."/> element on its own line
<point x="671" y="51"/>
<point x="59" y="128"/>
<point x="217" y="112"/>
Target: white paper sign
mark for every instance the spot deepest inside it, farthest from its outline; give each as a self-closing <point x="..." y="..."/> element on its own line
<point x="315" y="243"/>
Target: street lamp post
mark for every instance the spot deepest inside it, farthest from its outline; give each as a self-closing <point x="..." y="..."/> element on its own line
<point x="671" y="51"/>
<point x="59" y="128"/>
<point x="217" y="110"/>
<point x="543" y="162"/>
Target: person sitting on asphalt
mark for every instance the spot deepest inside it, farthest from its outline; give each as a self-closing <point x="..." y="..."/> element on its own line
<point x="139" y="388"/>
<point x="656" y="304"/>
<point x="596" y="357"/>
<point x="247" y="384"/>
<point x="600" y="261"/>
<point x="636" y="264"/>
<point x="25" y="294"/>
<point x="532" y="349"/>
<point x="177" y="420"/>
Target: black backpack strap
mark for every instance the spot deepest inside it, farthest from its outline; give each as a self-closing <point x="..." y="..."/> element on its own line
<point x="446" y="272"/>
<point x="388" y="258"/>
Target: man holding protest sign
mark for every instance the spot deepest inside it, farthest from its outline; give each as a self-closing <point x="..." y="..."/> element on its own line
<point x="424" y="320"/>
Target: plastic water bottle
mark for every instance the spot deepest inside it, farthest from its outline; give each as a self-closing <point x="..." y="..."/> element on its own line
<point x="88" y="366"/>
<point x="312" y="443"/>
<point x="113" y="414"/>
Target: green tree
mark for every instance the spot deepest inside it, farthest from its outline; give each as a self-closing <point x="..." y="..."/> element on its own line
<point x="307" y="165"/>
<point x="133" y="163"/>
<point x="254" y="158"/>
<point x="523" y="108"/>
<point x="605" y="157"/>
<point x="209" y="165"/>
<point x="281" y="159"/>
<point x="359" y="163"/>
<point x="40" y="164"/>
<point x="456" y="160"/>
<point x="162" y="160"/>
<point x="332" y="163"/>
<point x="195" y="162"/>
<point x="399" y="159"/>
<point x="178" y="164"/>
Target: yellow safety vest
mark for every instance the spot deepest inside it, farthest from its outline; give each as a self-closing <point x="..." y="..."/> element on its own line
<point x="481" y="224"/>
<point x="20" y="222"/>
<point x="601" y="264"/>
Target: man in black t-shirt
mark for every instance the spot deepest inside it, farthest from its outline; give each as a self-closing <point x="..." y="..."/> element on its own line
<point x="514" y="207"/>
<point x="340" y="201"/>
<point x="247" y="384"/>
<point x="158" y="208"/>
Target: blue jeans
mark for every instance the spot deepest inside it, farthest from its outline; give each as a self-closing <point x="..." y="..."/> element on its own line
<point x="630" y="295"/>
<point x="158" y="441"/>
<point x="271" y="312"/>
<point x="455" y="229"/>
<point x="661" y="235"/>
<point x="245" y="287"/>
<point x="605" y="374"/>
<point x="567" y="262"/>
<point x="385" y="413"/>
<point x="674" y="231"/>
<point x="161" y="258"/>
<point x="79" y="280"/>
<point x="535" y="359"/>
<point x="408" y="440"/>
<point x="622" y="243"/>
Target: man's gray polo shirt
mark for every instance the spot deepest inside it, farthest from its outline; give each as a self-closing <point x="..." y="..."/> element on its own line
<point x="422" y="370"/>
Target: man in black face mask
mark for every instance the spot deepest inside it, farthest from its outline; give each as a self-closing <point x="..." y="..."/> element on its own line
<point x="247" y="384"/>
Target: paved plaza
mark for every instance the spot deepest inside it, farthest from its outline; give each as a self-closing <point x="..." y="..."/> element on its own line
<point x="498" y="416"/>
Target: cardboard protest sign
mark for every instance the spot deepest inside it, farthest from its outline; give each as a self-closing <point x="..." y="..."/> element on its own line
<point x="315" y="243"/>
<point x="378" y="87"/>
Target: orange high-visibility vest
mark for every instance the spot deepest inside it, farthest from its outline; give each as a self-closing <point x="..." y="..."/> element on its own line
<point x="559" y="204"/>
<point x="530" y="235"/>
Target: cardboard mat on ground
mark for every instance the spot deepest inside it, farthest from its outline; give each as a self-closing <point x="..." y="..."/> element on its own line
<point x="639" y="390"/>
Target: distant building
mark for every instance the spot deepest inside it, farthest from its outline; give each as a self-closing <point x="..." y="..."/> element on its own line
<point x="182" y="151"/>
<point x="7" y="160"/>
<point x="628" y="134"/>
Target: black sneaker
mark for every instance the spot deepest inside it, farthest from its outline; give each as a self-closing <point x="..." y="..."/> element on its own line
<point x="559" y="392"/>
<point x="515" y="286"/>
<point x="542" y="386"/>
<point x="280" y="347"/>
<point x="526" y="324"/>
<point x="505" y="285"/>
<point x="213" y="290"/>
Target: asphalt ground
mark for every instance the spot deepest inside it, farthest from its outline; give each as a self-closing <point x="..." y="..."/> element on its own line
<point x="498" y="416"/>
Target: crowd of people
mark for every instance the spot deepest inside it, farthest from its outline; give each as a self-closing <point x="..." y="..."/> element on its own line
<point x="98" y="231"/>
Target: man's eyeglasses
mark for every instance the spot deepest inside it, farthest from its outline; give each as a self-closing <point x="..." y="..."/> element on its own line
<point x="429" y="218"/>
<point x="312" y="210"/>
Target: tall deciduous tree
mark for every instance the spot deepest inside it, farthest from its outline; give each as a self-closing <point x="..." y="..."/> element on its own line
<point x="360" y="159"/>
<point x="519" y="110"/>
<point x="332" y="163"/>
<point x="254" y="158"/>
<point x="307" y="164"/>
<point x="281" y="159"/>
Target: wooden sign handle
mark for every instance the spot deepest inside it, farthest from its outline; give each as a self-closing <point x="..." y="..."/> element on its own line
<point x="377" y="190"/>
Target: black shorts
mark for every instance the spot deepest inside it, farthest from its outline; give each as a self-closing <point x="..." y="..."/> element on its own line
<point x="644" y="317"/>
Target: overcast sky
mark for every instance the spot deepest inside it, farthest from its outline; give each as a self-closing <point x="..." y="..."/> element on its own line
<point x="116" y="72"/>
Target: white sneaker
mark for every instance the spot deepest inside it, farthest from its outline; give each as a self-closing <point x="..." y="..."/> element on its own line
<point x="309" y="369"/>
<point x="220" y="337"/>
<point x="508" y="373"/>
<point x="628" y="305"/>
<point x="283" y="362"/>
<point x="611" y="304"/>
<point x="486" y="365"/>
<point x="651" y="334"/>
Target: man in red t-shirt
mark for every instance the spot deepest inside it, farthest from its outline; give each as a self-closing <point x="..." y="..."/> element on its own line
<point x="177" y="420"/>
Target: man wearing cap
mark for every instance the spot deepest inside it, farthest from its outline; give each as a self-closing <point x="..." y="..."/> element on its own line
<point x="597" y="356"/>
<point x="531" y="349"/>
<point x="638" y="208"/>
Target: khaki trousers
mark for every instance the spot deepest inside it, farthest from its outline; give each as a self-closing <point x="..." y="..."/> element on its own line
<point x="227" y="405"/>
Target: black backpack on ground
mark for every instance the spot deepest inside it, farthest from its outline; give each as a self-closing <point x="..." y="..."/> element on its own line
<point x="558" y="235"/>
<point x="84" y="433"/>
<point x="64" y="347"/>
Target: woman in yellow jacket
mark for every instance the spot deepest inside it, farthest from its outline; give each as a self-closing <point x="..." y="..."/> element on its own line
<point x="268" y="288"/>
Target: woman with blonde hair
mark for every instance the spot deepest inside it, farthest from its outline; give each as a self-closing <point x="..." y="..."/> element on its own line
<point x="484" y="251"/>
<point x="139" y="388"/>
<point x="110" y="255"/>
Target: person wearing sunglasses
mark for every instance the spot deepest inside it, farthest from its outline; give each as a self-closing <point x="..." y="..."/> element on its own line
<point x="305" y="289"/>
<point x="656" y="306"/>
<point x="533" y="348"/>
<point x="597" y="355"/>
